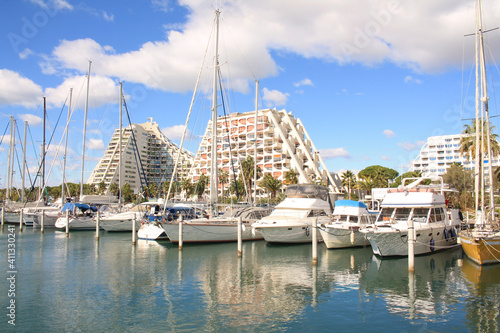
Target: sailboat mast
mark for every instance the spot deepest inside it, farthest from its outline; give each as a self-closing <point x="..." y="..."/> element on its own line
<point x="121" y="151"/>
<point x="63" y="195"/>
<point x="23" y="191"/>
<point x="484" y="100"/>
<point x="477" y="164"/>
<point x="11" y="156"/>
<point x="213" y="172"/>
<point x="255" y="151"/>
<point x="43" y="146"/>
<point x="85" y="130"/>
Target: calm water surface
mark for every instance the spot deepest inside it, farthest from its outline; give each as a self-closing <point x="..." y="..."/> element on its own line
<point x="76" y="284"/>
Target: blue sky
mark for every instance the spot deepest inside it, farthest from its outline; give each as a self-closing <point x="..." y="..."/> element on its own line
<point x="370" y="80"/>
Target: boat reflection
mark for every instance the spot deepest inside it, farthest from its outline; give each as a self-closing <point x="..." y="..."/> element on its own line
<point x="483" y="304"/>
<point x="430" y="293"/>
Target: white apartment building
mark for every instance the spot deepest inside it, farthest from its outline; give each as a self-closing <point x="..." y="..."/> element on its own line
<point x="439" y="152"/>
<point x="146" y="154"/>
<point x="282" y="142"/>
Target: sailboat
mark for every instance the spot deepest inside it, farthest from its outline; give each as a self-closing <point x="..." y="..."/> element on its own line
<point x="482" y="243"/>
<point x="216" y="228"/>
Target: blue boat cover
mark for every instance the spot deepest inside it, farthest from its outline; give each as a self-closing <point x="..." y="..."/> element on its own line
<point x="82" y="207"/>
<point x="350" y="203"/>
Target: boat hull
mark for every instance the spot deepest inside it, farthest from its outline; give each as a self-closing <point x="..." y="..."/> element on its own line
<point x="152" y="231"/>
<point x="80" y="223"/>
<point x="393" y="242"/>
<point x="338" y="238"/>
<point x="481" y="250"/>
<point x="289" y="234"/>
<point x="211" y="232"/>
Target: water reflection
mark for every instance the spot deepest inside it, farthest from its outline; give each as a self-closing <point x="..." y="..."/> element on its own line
<point x="80" y="284"/>
<point x="483" y="304"/>
<point x="430" y="294"/>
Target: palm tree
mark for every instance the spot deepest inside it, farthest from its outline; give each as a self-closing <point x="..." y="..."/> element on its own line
<point x="291" y="178"/>
<point x="187" y="186"/>
<point x="223" y="179"/>
<point x="247" y="169"/>
<point x="367" y="183"/>
<point x="348" y="181"/>
<point x="201" y="185"/>
<point x="468" y="141"/>
<point x="271" y="184"/>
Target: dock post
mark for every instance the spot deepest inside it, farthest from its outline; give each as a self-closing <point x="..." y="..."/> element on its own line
<point x="97" y="222"/>
<point x="133" y="231"/>
<point x="3" y="216"/>
<point x="180" y="235"/>
<point x="67" y="222"/>
<point x="411" y="247"/>
<point x="42" y="221"/>
<point x="315" y="241"/>
<point x="21" y="220"/>
<point x="239" y="236"/>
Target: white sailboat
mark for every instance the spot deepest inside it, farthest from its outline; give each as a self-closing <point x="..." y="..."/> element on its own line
<point x="215" y="228"/>
<point x="482" y="243"/>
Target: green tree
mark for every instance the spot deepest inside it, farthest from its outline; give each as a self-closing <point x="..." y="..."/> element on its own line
<point x="377" y="175"/>
<point x="468" y="141"/>
<point x="247" y="169"/>
<point x="113" y="189"/>
<point x="348" y="181"/>
<point x="201" y="184"/>
<point x="461" y="180"/>
<point x="153" y="190"/>
<point x="236" y="187"/>
<point x="127" y="193"/>
<point x="223" y="177"/>
<point x="409" y="174"/>
<point x="187" y="186"/>
<point x="101" y="187"/>
<point x="291" y="177"/>
<point x="271" y="184"/>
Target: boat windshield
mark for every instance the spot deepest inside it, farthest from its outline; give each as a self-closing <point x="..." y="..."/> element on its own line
<point x="307" y="191"/>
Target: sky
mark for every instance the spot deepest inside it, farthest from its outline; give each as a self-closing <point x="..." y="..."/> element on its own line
<point x="370" y="80"/>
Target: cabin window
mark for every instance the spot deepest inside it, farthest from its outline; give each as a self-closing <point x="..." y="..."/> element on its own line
<point x="386" y="214"/>
<point x="420" y="214"/>
<point x="437" y="215"/>
<point x="402" y="213"/>
<point x="316" y="213"/>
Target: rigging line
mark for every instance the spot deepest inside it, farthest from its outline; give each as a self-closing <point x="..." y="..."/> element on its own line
<point x="45" y="150"/>
<point x="3" y="136"/>
<point x="230" y="152"/>
<point x="137" y="155"/>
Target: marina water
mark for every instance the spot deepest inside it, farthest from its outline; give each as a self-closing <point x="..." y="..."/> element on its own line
<point x="78" y="284"/>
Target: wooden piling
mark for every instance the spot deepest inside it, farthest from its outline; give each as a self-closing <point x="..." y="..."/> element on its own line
<point x="240" y="253"/>
<point x="315" y="241"/>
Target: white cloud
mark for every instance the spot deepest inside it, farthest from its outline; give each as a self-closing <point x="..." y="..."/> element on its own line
<point x="385" y="158"/>
<point x="18" y="90"/>
<point x="408" y="146"/>
<point x="57" y="4"/>
<point x="274" y="97"/>
<point x="388" y="133"/>
<point x="102" y="90"/>
<point x="108" y="17"/>
<point x="25" y="53"/>
<point x="410" y="79"/>
<point x="334" y="153"/>
<point x="162" y="5"/>
<point x="175" y="133"/>
<point x="32" y="119"/>
<point x="304" y="82"/>
<point x="95" y="144"/>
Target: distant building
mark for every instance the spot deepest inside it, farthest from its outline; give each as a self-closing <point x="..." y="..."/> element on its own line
<point x="150" y="157"/>
<point x="439" y="152"/>
<point x="282" y="142"/>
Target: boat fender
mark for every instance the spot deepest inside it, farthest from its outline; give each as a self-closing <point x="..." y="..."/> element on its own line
<point x="352" y="236"/>
<point x="446" y="234"/>
<point x="453" y="233"/>
<point x="243" y="228"/>
<point x="307" y="231"/>
<point x="253" y="232"/>
<point x="432" y="244"/>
